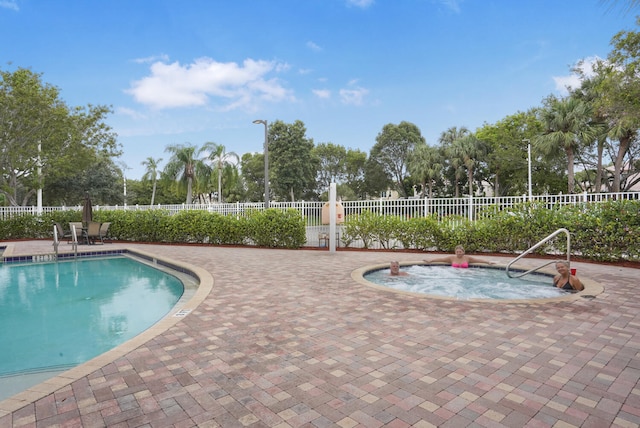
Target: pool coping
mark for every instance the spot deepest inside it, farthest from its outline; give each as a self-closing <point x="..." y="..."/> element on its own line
<point x="591" y="288"/>
<point x="175" y="315"/>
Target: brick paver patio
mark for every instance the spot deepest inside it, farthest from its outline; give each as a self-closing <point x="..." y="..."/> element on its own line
<point x="288" y="339"/>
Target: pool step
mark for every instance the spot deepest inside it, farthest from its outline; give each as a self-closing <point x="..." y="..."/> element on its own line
<point x="44" y="257"/>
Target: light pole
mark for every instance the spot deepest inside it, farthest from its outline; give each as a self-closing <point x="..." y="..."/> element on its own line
<point x="529" y="164"/>
<point x="266" y="162"/>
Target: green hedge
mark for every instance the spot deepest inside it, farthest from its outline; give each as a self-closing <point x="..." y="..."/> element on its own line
<point x="607" y="231"/>
<point x="269" y="228"/>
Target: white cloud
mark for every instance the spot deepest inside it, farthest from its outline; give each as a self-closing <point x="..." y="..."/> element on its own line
<point x="360" y="3"/>
<point x="237" y="85"/>
<point x="314" y="47"/>
<point x="150" y="59"/>
<point x="573" y="80"/>
<point x="322" y="93"/>
<point x="353" y="96"/>
<point x="126" y="111"/>
<point x="9" y="4"/>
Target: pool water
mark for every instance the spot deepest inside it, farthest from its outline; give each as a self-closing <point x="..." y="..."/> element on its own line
<point x="57" y="315"/>
<point x="472" y="283"/>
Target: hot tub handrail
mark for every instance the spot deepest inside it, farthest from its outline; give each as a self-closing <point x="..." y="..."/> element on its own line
<point x="553" y="235"/>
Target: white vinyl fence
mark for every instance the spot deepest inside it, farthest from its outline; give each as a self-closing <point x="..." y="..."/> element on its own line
<point x="471" y="208"/>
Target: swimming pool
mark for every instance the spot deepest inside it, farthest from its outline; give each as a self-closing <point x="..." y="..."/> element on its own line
<point x="57" y="315"/>
<point x="465" y="284"/>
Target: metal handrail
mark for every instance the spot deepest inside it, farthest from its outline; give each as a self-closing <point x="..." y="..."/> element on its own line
<point x="74" y="240"/>
<point x="553" y="235"/>
<point x="56" y="242"/>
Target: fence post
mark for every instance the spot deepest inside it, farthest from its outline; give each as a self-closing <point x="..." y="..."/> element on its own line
<point x="426" y="207"/>
<point x="470" y="207"/>
<point x="332" y="217"/>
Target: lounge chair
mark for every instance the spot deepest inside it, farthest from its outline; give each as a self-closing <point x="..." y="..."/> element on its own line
<point x="104" y="230"/>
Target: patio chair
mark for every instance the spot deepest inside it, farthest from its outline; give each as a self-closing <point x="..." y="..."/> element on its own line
<point x="62" y="234"/>
<point x="104" y="231"/>
<point x="79" y="232"/>
<point x="93" y="233"/>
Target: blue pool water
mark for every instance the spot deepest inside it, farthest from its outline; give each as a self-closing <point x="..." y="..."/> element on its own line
<point x="57" y="315"/>
<point x="472" y="283"/>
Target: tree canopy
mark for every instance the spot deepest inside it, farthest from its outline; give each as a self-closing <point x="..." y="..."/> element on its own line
<point x="292" y="161"/>
<point x="42" y="139"/>
<point x="393" y="146"/>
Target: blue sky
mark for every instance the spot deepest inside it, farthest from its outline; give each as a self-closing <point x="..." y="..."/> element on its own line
<point x="192" y="71"/>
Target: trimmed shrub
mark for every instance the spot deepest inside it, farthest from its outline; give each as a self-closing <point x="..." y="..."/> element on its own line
<point x="274" y="228"/>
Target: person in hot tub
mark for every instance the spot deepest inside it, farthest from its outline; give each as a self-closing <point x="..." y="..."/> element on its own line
<point x="459" y="259"/>
<point x="394" y="269"/>
<point x="564" y="279"/>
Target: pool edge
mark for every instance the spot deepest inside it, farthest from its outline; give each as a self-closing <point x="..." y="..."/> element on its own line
<point x="49" y="386"/>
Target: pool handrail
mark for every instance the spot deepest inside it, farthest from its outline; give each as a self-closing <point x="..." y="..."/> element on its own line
<point x="74" y="239"/>
<point x="56" y="242"/>
<point x="553" y="235"/>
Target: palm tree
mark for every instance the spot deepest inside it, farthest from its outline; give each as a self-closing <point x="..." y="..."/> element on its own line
<point x="426" y="163"/>
<point x="151" y="173"/>
<point x="466" y="151"/>
<point x="452" y="134"/>
<point x="221" y="160"/>
<point x="183" y="166"/>
<point x="627" y="5"/>
<point x="567" y="123"/>
<point x="446" y="140"/>
<point x="590" y="92"/>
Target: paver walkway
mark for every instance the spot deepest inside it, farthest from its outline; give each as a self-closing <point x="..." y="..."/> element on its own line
<point x="289" y="339"/>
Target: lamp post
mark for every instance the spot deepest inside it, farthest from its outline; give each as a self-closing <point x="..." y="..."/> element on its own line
<point x="529" y="164"/>
<point x="266" y="162"/>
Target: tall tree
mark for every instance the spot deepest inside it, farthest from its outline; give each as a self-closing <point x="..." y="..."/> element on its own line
<point x="38" y="130"/>
<point x="453" y="166"/>
<point x="355" y="162"/>
<point x="151" y="174"/>
<point x="469" y="151"/>
<point x="331" y="158"/>
<point x="567" y="123"/>
<point x="103" y="181"/>
<point x="426" y="164"/>
<point x="293" y="167"/>
<point x="252" y="167"/>
<point x="376" y="179"/>
<point x="393" y="146"/>
<point x="589" y="92"/>
<point x="184" y="167"/>
<point x="221" y="160"/>
<point x="507" y="151"/>
<point x="619" y="100"/>
<point x="452" y="134"/>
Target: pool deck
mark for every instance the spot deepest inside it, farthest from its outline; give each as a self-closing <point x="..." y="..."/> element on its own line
<point x="288" y="338"/>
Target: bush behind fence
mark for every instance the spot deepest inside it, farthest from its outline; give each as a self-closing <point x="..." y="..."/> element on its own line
<point x="603" y="226"/>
